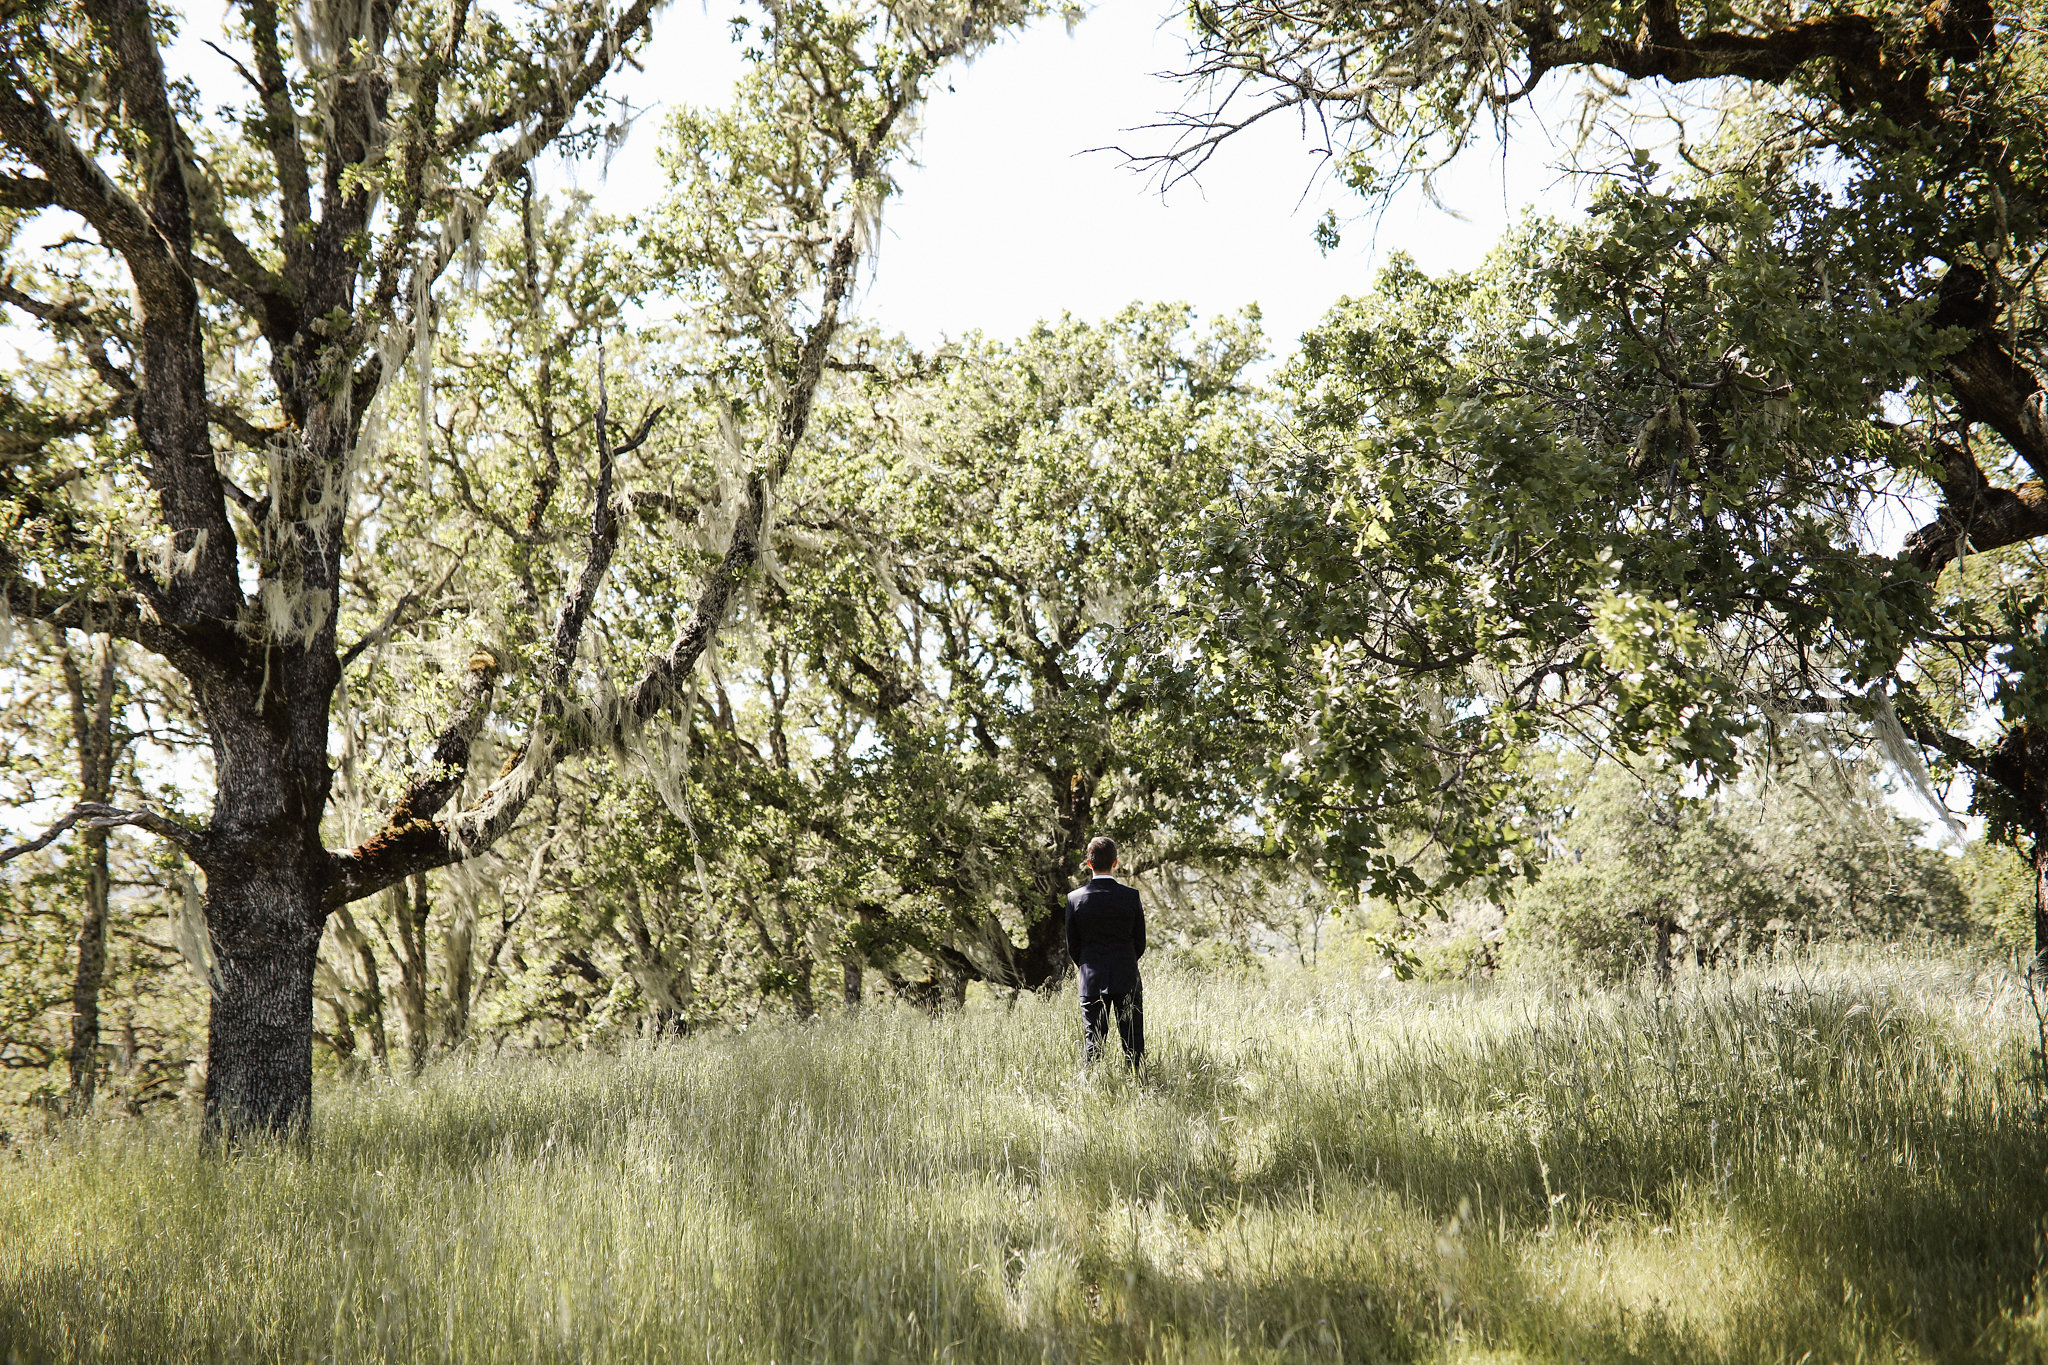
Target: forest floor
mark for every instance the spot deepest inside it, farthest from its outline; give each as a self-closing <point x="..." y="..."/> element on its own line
<point x="1833" y="1159"/>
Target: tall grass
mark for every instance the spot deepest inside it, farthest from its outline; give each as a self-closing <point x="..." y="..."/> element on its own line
<point x="1833" y="1160"/>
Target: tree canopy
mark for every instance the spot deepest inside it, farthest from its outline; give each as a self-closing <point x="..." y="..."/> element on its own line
<point x="1639" y="479"/>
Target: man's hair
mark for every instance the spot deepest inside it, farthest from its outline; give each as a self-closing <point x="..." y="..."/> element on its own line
<point x="1102" y="853"/>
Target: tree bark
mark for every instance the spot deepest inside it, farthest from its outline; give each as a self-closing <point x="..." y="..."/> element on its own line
<point x="2041" y="899"/>
<point x="458" y="962"/>
<point x="265" y="923"/>
<point x="1042" y="963"/>
<point x="410" y="913"/>
<point x="92" y="731"/>
<point x="92" y="965"/>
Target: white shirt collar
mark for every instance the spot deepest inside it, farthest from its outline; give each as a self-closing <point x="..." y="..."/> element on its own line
<point x="1100" y="877"/>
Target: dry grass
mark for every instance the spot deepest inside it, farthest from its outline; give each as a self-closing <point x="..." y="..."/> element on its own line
<point x="1833" y="1160"/>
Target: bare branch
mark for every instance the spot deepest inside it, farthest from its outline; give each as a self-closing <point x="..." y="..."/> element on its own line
<point x="99" y="815"/>
<point x="102" y="816"/>
<point x="43" y="840"/>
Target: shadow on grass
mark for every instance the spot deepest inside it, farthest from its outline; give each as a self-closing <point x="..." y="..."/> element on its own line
<point x="1830" y="1178"/>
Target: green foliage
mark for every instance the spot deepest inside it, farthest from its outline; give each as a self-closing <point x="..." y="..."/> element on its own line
<point x="1815" y="855"/>
<point x="2001" y="891"/>
<point x="996" y="614"/>
<point x="1630" y="482"/>
<point x="1834" y="1156"/>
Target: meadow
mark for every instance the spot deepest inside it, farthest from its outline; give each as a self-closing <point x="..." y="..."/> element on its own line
<point x="1833" y="1158"/>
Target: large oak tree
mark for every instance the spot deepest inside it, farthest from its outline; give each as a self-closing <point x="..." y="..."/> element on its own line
<point x="244" y="284"/>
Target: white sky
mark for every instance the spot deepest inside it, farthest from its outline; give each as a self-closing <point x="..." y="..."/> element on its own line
<point x="1010" y="218"/>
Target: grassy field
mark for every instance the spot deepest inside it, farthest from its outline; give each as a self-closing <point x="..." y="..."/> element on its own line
<point x="1835" y="1160"/>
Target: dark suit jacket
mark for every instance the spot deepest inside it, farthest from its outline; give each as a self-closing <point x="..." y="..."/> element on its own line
<point x="1105" y="936"/>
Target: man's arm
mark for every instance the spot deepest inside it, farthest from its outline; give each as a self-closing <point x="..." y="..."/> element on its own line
<point x="1073" y="948"/>
<point x="1138" y="938"/>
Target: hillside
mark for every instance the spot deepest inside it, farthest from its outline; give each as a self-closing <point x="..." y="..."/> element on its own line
<point x="1832" y="1159"/>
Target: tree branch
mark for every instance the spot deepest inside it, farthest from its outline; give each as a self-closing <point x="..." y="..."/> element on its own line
<point x="1974" y="517"/>
<point x="410" y="193"/>
<point x="597" y="559"/>
<point x="562" y="731"/>
<point x="387" y="857"/>
<point x="71" y="316"/>
<point x="280" y="127"/>
<point x="79" y="185"/>
<point x="99" y="815"/>
<point x="1989" y="382"/>
<point x="465" y="133"/>
<point x="43" y="840"/>
<point x="25" y="193"/>
<point x="552" y="115"/>
<point x="396" y="614"/>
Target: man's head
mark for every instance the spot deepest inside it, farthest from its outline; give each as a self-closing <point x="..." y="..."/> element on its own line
<point x="1102" y="854"/>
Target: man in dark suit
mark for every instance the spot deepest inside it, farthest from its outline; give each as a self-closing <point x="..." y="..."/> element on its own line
<point x="1106" y="937"/>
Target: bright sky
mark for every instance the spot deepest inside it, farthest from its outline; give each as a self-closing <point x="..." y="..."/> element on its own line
<point x="1010" y="217"/>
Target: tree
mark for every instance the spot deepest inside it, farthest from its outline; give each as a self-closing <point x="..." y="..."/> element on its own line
<point x="312" y="232"/>
<point x="1621" y="483"/>
<point x="998" y="629"/>
<point x="78" y="719"/>
<point x="944" y="686"/>
<point x="1645" y="871"/>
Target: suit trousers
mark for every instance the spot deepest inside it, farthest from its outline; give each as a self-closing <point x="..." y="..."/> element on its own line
<point x="1129" y="1010"/>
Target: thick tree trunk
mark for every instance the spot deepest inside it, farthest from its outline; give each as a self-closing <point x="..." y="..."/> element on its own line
<point x="267" y="878"/>
<point x="265" y="924"/>
<point x="1042" y="964"/>
<point x="1665" y="928"/>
